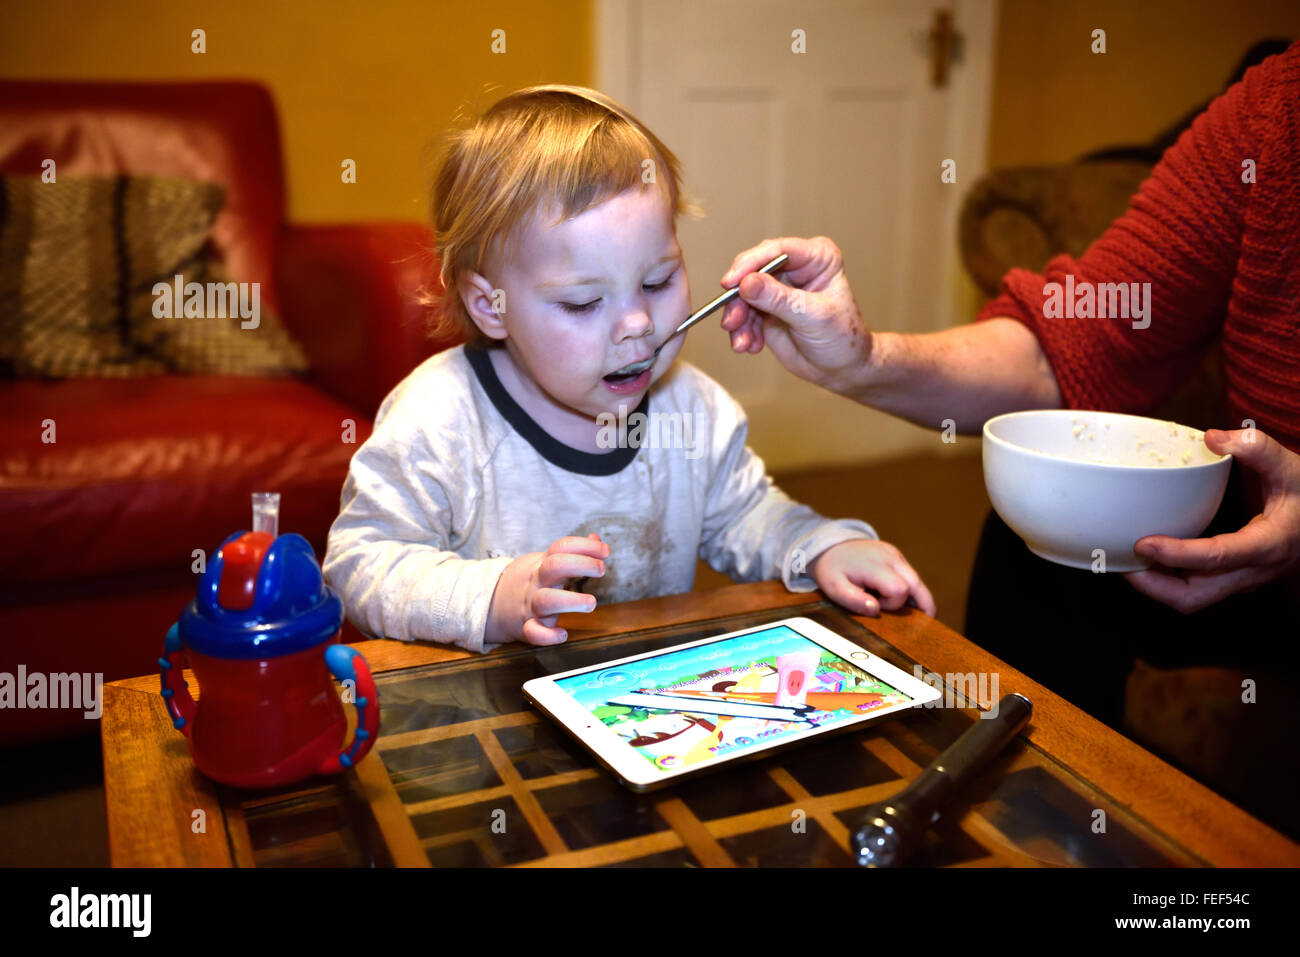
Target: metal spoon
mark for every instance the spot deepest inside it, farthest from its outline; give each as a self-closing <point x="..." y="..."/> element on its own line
<point x="636" y="368"/>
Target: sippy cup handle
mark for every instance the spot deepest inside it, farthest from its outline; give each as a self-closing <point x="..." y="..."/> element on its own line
<point x="347" y="664"/>
<point x="175" y="689"/>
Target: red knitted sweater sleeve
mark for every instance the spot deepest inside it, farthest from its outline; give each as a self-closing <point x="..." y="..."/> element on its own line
<point x="1182" y="234"/>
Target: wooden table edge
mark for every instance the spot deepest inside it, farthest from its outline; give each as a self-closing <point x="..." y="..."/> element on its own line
<point x="171" y="839"/>
<point x="1160" y="795"/>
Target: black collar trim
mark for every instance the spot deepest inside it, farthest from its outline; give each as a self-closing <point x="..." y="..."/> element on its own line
<point x="550" y="448"/>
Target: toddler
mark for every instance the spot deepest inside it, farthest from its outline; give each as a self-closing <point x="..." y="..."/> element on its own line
<point x="524" y="474"/>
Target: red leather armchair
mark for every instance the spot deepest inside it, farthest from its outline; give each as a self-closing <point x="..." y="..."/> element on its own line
<point x="99" y="527"/>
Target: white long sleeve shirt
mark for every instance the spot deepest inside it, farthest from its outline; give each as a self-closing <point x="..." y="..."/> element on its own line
<point x="457" y="480"/>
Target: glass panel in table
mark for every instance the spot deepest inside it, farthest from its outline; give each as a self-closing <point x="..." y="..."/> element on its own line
<point x="485" y="779"/>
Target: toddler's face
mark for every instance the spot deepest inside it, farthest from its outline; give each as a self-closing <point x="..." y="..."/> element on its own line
<point x="592" y="295"/>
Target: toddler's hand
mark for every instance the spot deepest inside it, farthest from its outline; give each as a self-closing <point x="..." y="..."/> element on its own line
<point x="844" y="570"/>
<point x="529" y="594"/>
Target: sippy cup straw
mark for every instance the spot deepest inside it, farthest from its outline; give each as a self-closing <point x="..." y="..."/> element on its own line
<point x="266" y="512"/>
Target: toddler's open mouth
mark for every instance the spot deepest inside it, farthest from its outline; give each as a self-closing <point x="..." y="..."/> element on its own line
<point x="624" y="381"/>
<point x="632" y="370"/>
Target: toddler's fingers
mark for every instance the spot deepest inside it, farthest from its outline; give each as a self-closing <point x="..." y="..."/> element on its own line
<point x="556" y="569"/>
<point x="576" y="545"/>
<point x="886" y="582"/>
<point x="536" y="633"/>
<point x="924" y="600"/>
<point x="555" y="601"/>
<point x="843" y="592"/>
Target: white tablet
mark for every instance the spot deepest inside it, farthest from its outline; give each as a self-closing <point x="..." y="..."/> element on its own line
<point x="655" y="718"/>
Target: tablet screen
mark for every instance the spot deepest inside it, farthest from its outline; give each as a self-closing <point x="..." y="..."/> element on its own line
<point x="714" y="700"/>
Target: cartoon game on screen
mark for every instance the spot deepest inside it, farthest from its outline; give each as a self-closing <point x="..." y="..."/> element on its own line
<point x="722" y="697"/>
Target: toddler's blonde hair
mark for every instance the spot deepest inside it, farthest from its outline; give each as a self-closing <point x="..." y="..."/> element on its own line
<point x="541" y="146"/>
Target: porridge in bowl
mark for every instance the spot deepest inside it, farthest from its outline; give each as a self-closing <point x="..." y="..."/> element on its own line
<point x="1081" y="488"/>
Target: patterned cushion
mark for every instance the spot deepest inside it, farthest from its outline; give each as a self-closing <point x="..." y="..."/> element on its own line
<point x="88" y="269"/>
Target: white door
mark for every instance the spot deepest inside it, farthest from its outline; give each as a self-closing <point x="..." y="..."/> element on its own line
<point x="845" y="139"/>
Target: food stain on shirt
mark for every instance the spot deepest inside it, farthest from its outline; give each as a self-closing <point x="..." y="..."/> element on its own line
<point x="637" y="548"/>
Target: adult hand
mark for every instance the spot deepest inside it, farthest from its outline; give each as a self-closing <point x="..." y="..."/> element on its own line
<point x="530" y="593"/>
<point x="809" y="319"/>
<point x="1201" y="571"/>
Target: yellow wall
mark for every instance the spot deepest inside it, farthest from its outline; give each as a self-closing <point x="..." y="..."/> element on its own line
<point x="371" y="81"/>
<point x="376" y="81"/>
<point x="1053" y="99"/>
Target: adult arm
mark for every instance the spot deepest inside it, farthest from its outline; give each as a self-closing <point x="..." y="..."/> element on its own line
<point x="811" y="322"/>
<point x="1182" y="235"/>
<point x="1180" y="242"/>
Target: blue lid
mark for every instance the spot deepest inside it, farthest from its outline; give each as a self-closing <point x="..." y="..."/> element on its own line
<point x="293" y="609"/>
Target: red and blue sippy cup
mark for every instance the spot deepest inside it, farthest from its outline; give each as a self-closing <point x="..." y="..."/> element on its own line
<point x="262" y="638"/>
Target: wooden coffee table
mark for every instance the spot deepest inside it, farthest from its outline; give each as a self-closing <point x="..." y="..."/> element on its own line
<point x="466" y="773"/>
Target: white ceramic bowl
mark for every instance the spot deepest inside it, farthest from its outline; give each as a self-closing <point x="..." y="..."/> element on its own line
<point x="1070" y="482"/>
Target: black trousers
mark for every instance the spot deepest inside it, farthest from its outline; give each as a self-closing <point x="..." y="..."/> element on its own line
<point x="1080" y="633"/>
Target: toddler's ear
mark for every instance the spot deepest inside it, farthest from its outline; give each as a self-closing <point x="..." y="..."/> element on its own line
<point x="485" y="303"/>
